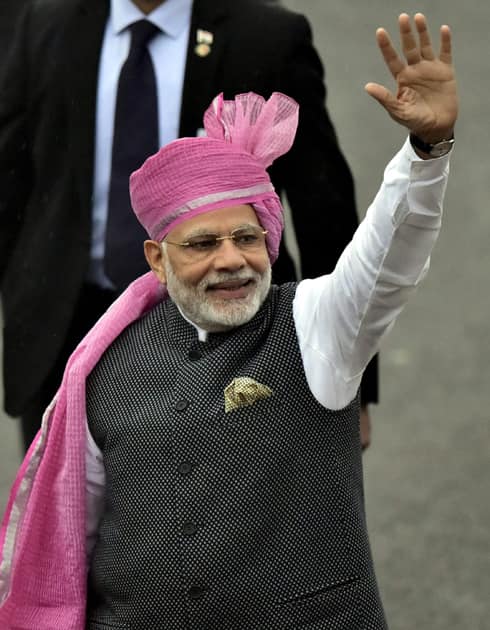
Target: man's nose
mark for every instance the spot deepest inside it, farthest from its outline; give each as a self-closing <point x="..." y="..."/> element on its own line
<point x="228" y="256"/>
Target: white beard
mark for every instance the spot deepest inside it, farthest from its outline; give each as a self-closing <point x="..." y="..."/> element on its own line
<point x="218" y="315"/>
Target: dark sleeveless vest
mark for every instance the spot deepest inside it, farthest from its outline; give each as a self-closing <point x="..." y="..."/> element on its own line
<point x="246" y="520"/>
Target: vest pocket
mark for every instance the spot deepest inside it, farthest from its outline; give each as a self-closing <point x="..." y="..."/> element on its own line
<point x="337" y="603"/>
<point x="254" y="412"/>
<point x="330" y="588"/>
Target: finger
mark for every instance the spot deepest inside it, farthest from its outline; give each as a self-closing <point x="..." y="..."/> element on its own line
<point x="409" y="45"/>
<point x="445" y="50"/>
<point x="426" y="49"/>
<point x="392" y="60"/>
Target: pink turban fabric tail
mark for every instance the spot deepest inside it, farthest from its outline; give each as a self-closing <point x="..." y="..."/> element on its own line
<point x="43" y="570"/>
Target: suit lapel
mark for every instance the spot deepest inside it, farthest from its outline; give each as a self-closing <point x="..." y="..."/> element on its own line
<point x="84" y="36"/>
<point x="201" y="71"/>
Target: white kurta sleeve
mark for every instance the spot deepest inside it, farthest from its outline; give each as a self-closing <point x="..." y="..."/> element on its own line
<point x="341" y="318"/>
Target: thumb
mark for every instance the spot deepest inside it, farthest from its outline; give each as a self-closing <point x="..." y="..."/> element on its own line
<point x="382" y="95"/>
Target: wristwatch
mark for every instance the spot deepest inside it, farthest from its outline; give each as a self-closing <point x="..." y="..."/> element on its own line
<point x="434" y="150"/>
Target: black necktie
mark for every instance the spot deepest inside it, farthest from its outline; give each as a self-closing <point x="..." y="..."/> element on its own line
<point x="135" y="138"/>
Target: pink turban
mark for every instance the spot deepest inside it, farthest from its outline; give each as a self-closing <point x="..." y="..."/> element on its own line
<point x="227" y="167"/>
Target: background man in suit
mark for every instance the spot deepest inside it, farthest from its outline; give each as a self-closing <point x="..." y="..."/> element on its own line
<point x="60" y="113"/>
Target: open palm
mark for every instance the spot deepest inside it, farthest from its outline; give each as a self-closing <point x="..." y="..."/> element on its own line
<point x="426" y="100"/>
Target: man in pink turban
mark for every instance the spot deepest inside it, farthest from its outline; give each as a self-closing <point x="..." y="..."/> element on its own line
<point x="201" y="462"/>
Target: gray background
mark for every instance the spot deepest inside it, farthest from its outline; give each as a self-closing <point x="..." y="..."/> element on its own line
<point x="427" y="487"/>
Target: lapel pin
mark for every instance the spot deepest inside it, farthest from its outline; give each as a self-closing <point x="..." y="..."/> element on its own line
<point x="204" y="37"/>
<point x="204" y="41"/>
<point x="202" y="50"/>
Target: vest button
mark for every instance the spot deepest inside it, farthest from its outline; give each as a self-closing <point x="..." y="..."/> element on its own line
<point x="185" y="468"/>
<point x="195" y="354"/>
<point x="180" y="405"/>
<point x="189" y="529"/>
<point x="197" y="591"/>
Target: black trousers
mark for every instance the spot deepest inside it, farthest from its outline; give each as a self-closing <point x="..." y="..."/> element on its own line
<point x="92" y="303"/>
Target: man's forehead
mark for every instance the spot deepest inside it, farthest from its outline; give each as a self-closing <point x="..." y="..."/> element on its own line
<point x="221" y="220"/>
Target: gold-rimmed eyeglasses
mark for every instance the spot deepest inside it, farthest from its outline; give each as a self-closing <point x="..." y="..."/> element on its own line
<point x="246" y="238"/>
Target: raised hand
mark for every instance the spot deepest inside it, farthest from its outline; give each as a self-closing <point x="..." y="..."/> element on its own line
<point x="426" y="100"/>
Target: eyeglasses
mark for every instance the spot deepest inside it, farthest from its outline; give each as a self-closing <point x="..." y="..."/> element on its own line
<point x="248" y="238"/>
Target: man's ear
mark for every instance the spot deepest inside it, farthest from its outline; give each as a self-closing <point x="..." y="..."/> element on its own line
<point x="155" y="258"/>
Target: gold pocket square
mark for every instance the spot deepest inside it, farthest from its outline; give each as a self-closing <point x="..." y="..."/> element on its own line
<point x="244" y="391"/>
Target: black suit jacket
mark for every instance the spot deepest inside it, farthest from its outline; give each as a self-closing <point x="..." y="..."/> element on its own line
<point x="47" y="144"/>
<point x="10" y="11"/>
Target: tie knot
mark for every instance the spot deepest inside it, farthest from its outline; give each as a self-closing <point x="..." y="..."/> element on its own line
<point x="142" y="32"/>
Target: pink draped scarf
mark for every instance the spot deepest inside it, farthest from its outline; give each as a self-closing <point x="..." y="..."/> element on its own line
<point x="43" y="570"/>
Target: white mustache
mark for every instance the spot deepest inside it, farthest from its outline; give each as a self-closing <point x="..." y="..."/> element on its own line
<point x="215" y="278"/>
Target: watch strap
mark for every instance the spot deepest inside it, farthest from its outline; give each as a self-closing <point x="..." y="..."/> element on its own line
<point x="426" y="147"/>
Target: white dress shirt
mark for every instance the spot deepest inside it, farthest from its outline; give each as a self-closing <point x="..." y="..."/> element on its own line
<point x="341" y="318"/>
<point x="168" y="51"/>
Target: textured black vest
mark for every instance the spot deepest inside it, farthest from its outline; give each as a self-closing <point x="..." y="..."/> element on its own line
<point x="251" y="519"/>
